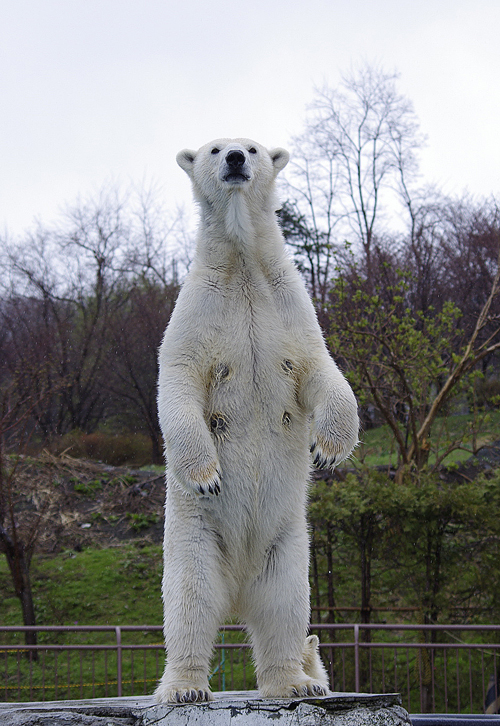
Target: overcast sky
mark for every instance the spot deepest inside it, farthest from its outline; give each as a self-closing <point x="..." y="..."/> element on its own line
<point x="99" y="90"/>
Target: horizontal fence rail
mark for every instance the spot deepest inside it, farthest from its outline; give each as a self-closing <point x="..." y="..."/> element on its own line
<point x="437" y="668"/>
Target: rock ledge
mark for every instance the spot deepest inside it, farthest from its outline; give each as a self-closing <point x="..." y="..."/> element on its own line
<point x="230" y="708"/>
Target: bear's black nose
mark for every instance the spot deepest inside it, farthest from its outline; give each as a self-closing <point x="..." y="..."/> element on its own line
<point x="235" y="159"/>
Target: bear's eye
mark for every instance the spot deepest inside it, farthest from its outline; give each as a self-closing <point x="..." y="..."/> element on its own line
<point x="252" y="150"/>
<point x="215" y="150"/>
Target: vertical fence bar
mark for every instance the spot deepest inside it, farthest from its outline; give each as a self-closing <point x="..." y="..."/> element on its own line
<point x="408" y="678"/>
<point x="81" y="673"/>
<point x="330" y="668"/>
<point x="93" y="674"/>
<point x="118" y="632"/>
<point x="68" y="671"/>
<point x="19" y="675"/>
<point x="55" y="674"/>
<point x="445" y="682"/>
<point x="43" y="673"/>
<point x="420" y="656"/>
<point x="482" y="676"/>
<point x="231" y="669"/>
<point x="6" y="656"/>
<point x="31" y="674"/>
<point x="356" y="659"/>
<point x="106" y="684"/>
<point x="433" y="682"/>
<point x="132" y="672"/>
<point x="470" y="681"/>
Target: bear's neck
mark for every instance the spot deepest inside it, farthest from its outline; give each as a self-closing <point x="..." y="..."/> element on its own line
<point x="239" y="230"/>
<point x="237" y="220"/>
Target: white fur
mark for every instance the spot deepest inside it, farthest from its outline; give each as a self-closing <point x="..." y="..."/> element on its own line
<point x="246" y="387"/>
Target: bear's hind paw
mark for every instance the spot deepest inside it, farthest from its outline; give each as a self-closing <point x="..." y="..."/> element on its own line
<point x="193" y="695"/>
<point x="183" y="695"/>
<point x="302" y="688"/>
<point x="313" y="689"/>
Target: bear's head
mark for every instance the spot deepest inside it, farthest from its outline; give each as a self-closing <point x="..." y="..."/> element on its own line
<point x="227" y="165"/>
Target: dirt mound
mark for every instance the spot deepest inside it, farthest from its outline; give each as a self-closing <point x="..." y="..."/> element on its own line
<point x="69" y="503"/>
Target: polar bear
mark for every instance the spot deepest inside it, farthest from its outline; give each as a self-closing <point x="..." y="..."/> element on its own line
<point x="248" y="398"/>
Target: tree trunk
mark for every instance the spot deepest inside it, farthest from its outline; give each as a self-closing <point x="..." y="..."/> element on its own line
<point x="366" y="574"/>
<point x="315" y="578"/>
<point x="19" y="567"/>
<point x="157" y="448"/>
<point x="330" y="618"/>
<point x="366" y="544"/>
<point x="331" y="589"/>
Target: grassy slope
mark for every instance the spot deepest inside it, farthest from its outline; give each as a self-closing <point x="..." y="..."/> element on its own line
<point x="120" y="585"/>
<point x="378" y="447"/>
<point x="115" y="586"/>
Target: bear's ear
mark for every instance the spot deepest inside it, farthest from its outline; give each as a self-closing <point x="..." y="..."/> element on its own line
<point x="185" y="159"/>
<point x="280" y="158"/>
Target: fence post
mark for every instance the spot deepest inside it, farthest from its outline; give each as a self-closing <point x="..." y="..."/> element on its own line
<point x="356" y="659"/>
<point x="118" y="659"/>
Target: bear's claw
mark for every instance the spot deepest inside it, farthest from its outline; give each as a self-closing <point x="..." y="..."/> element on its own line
<point x="299" y="690"/>
<point x="192" y="696"/>
<point x="212" y="487"/>
<point x="319" y="690"/>
<point x="321" y="461"/>
<point x="183" y="695"/>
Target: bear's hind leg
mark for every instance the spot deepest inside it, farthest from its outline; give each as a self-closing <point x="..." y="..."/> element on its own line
<point x="276" y="607"/>
<point x="195" y="604"/>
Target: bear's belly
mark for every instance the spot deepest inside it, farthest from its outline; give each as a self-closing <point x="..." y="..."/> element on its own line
<point x="252" y="408"/>
<point x="262" y="439"/>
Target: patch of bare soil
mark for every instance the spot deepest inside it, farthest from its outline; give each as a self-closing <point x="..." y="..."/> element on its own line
<point x="71" y="503"/>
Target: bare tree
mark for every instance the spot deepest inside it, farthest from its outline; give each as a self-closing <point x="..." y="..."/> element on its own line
<point x="19" y="524"/>
<point x="68" y="287"/>
<point x="136" y="332"/>
<point x="352" y="168"/>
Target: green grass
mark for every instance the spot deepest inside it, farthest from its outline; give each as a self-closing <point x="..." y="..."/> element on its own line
<point x="115" y="586"/>
<point x="122" y="586"/>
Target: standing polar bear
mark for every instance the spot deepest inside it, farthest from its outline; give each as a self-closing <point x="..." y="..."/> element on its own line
<point x="247" y="390"/>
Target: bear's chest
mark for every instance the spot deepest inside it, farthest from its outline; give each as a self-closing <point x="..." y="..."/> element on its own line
<point x="249" y="336"/>
<point x="254" y="360"/>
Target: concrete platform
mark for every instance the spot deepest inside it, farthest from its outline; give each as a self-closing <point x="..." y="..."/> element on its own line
<point x="230" y="708"/>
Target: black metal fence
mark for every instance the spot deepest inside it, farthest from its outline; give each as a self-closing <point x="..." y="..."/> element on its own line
<point x="437" y="668"/>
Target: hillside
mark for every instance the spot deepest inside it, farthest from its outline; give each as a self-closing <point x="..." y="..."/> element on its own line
<point x="99" y="527"/>
<point x="75" y="504"/>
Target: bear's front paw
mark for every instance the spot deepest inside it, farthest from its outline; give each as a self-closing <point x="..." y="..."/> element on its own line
<point x="329" y="451"/>
<point x="207" y="481"/>
<point x="321" y="456"/>
<point x="202" y="481"/>
<point x="334" y="432"/>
